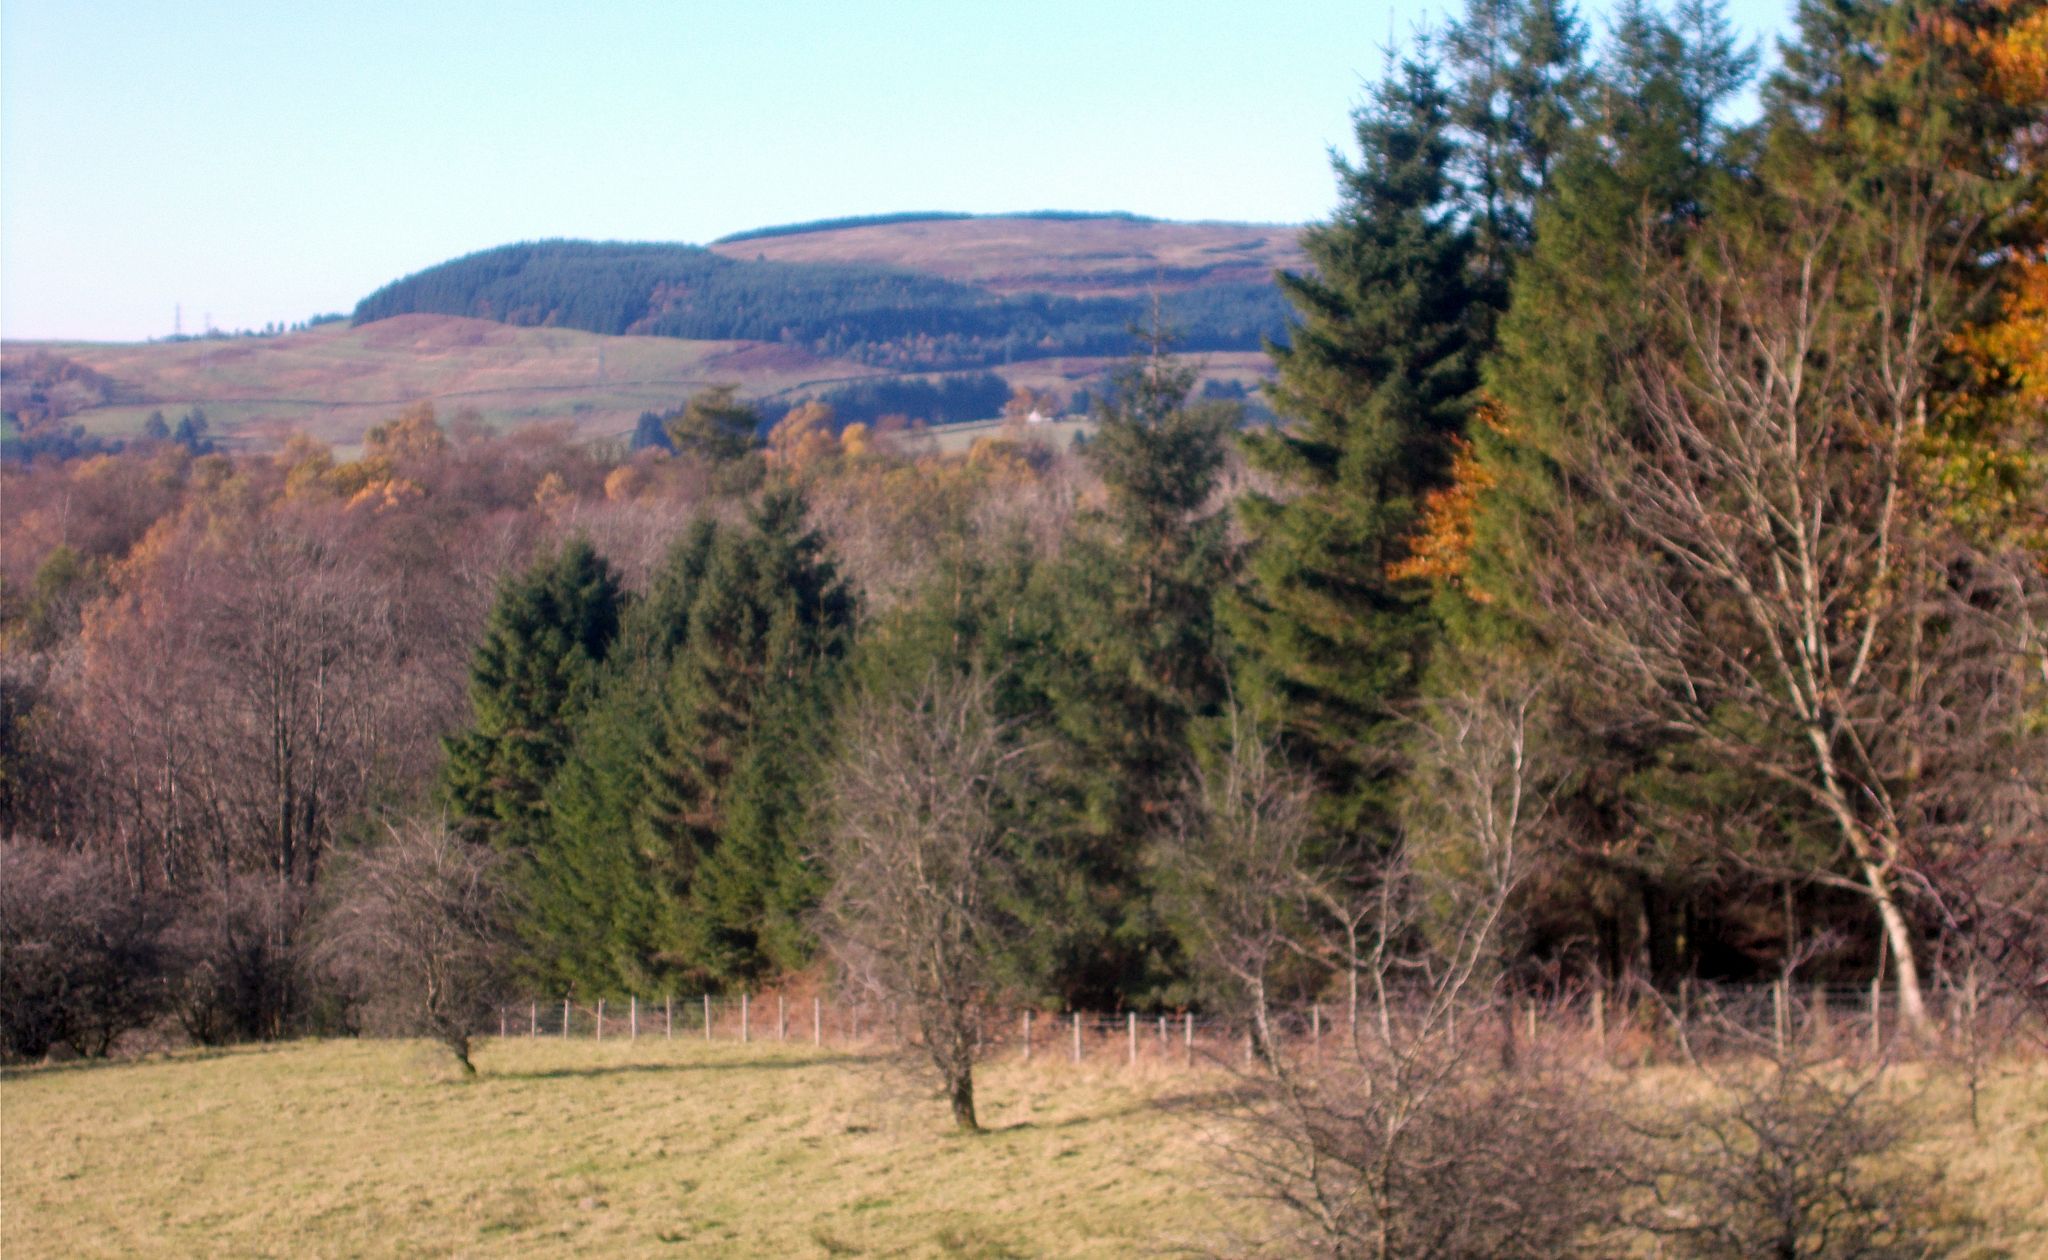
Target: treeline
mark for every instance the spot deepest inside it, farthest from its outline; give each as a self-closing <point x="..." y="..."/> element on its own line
<point x="946" y="400"/>
<point x="876" y="315"/>
<point x="1645" y="587"/>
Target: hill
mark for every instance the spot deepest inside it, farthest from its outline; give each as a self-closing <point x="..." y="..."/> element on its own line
<point x="931" y="316"/>
<point x="1063" y="255"/>
<point x="902" y="293"/>
<point x="334" y="381"/>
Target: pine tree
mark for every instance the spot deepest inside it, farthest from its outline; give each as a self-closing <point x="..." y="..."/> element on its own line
<point x="532" y="675"/>
<point x="1376" y="382"/>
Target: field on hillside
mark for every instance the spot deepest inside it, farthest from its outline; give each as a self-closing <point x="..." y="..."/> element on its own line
<point x="334" y="381"/>
<point x="1087" y="257"/>
<point x="379" y="1148"/>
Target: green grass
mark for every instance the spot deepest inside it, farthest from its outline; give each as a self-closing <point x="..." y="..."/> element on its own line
<point x="378" y="1148"/>
<point x="653" y="1147"/>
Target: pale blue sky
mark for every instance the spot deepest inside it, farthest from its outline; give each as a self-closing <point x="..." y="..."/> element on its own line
<point x="268" y="161"/>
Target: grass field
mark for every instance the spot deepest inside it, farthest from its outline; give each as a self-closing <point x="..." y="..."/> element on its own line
<point x="334" y="380"/>
<point x="648" y="1148"/>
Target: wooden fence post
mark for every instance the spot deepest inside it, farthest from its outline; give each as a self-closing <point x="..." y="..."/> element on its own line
<point x="600" y="1019"/>
<point x="1315" y="1026"/>
<point x="1818" y="1016"/>
<point x="1027" y="1034"/>
<point x="633" y="1018"/>
<point x="707" y="1017"/>
<point x="1781" y="1015"/>
<point x="746" y="1032"/>
<point x="817" y="1021"/>
<point x="1132" y="1018"/>
<point x="533" y="1019"/>
<point x="1600" y="1016"/>
<point x="781" y="1019"/>
<point x="565" y="1017"/>
<point x="1187" y="1036"/>
<point x="501" y="1023"/>
<point x="1077" y="1036"/>
<point x="1162" y="1036"/>
<point x="1877" y="1014"/>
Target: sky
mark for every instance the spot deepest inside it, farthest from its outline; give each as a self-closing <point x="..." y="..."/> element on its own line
<point x="255" y="162"/>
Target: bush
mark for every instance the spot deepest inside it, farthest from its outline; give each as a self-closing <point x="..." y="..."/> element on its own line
<point x="81" y="956"/>
<point x="236" y="962"/>
<point x="1797" y="1158"/>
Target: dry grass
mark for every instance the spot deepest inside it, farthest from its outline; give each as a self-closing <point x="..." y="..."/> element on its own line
<point x="334" y="381"/>
<point x="378" y="1148"/>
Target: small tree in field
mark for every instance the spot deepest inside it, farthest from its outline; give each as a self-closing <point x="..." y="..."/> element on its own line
<point x="921" y="877"/>
<point x="420" y="927"/>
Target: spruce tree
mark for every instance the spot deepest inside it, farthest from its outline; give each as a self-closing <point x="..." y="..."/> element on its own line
<point x="1139" y="666"/>
<point x="532" y="675"/>
<point x="1375" y="383"/>
<point x="604" y="897"/>
<point x="768" y="624"/>
<point x="1517" y="86"/>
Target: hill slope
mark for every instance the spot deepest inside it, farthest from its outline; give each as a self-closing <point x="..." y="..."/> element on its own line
<point x="1071" y="256"/>
<point x="595" y="334"/>
<point x="334" y="381"/>
<point x="904" y="294"/>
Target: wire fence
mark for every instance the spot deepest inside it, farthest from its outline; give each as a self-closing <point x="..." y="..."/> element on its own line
<point x="1636" y="1025"/>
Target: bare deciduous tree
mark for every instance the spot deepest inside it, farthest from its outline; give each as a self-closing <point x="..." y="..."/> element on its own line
<point x="1236" y="881"/>
<point x="1415" y="1140"/>
<point x="420" y="927"/>
<point x="1765" y="578"/>
<point x="921" y="875"/>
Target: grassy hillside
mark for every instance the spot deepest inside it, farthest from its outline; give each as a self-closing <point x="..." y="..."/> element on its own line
<point x="374" y="1148"/>
<point x="597" y="334"/>
<point x="334" y="381"/>
<point x="378" y="1148"/>
<point x="1078" y="256"/>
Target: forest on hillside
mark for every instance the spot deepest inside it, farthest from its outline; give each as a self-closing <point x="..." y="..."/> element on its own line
<point x="876" y="315"/>
<point x="1644" y="589"/>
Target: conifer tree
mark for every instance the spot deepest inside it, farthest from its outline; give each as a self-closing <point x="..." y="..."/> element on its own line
<point x="768" y="624"/>
<point x="532" y="675"/>
<point x="603" y="895"/>
<point x="1376" y="383"/>
<point x="1517" y="86"/>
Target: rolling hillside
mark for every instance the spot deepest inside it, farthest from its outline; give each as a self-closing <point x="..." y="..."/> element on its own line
<point x="595" y="334"/>
<point x="1092" y="256"/>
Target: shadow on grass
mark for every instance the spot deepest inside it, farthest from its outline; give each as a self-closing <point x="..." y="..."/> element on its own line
<point x="662" y="1069"/>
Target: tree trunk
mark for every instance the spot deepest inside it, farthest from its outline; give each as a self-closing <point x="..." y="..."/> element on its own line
<point x="960" y="1090"/>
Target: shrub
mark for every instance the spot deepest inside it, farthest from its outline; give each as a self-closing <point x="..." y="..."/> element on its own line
<point x="81" y="955"/>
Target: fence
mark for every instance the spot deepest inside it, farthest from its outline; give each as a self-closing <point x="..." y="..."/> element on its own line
<point x="1635" y="1024"/>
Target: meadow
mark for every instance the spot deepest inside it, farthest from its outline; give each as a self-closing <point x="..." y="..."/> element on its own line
<point x="344" y="1148"/>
